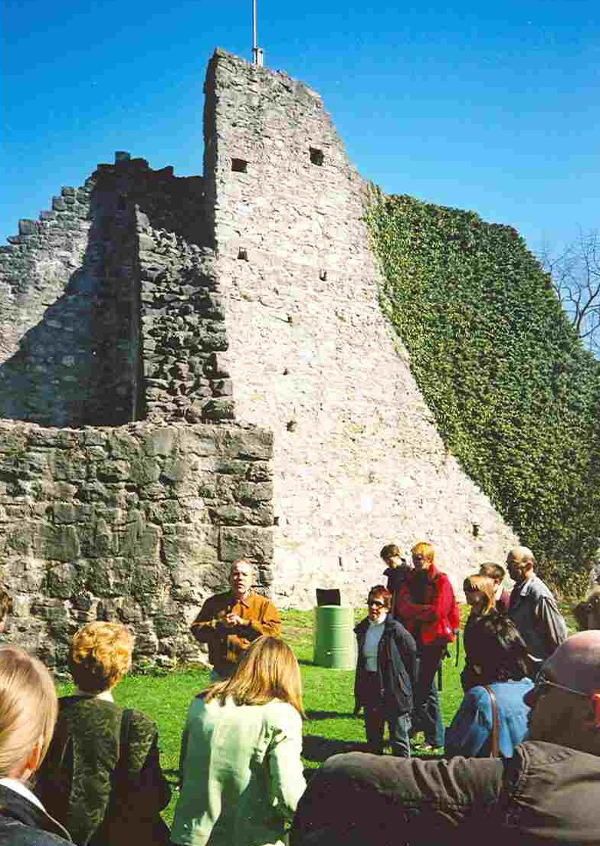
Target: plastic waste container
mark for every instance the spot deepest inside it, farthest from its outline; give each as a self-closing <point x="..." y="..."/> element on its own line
<point x="335" y="645"/>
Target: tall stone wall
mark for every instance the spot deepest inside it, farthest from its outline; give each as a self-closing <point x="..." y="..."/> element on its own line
<point x="136" y="523"/>
<point x="357" y="458"/>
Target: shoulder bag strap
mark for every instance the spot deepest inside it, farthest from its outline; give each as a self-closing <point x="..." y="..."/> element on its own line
<point x="121" y="768"/>
<point x="495" y="747"/>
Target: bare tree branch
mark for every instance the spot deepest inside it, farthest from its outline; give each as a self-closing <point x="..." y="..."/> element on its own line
<point x="575" y="276"/>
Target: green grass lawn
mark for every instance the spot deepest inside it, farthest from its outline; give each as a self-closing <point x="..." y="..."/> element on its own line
<point x="328" y="699"/>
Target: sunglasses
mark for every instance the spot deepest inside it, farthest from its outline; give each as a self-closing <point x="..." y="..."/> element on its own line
<point x="376" y="603"/>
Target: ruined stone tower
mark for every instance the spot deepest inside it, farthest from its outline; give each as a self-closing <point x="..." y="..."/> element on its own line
<point x="194" y="369"/>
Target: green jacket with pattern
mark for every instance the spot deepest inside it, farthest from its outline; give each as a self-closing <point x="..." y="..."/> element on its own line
<point x="100" y="795"/>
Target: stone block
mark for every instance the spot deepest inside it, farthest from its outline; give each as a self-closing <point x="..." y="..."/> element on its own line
<point x="217" y="409"/>
<point x="58" y="543"/>
<point x="246" y="542"/>
<point x="110" y="577"/>
<point x="113" y="471"/>
<point x="64" y="580"/>
<point x="251" y="443"/>
<point x="253" y="494"/>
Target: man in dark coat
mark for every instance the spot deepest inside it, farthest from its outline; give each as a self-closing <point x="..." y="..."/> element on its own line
<point x="547" y="794"/>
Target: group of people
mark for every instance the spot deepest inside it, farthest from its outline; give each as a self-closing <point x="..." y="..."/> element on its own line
<point x="84" y="770"/>
<point x="403" y="639"/>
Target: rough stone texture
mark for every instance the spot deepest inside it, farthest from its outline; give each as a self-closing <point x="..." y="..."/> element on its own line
<point x="136" y="523"/>
<point x="146" y="297"/>
<point x="357" y="459"/>
<point x="182" y="328"/>
<point x="75" y="288"/>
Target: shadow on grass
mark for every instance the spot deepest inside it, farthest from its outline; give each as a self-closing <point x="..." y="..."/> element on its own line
<point x="328" y="715"/>
<point x="315" y="747"/>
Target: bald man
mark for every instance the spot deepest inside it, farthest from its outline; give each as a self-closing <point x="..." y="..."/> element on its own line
<point x="229" y="622"/>
<point x="547" y="793"/>
<point x="533" y="608"/>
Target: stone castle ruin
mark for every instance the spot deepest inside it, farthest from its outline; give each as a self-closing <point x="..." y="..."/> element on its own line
<point x="196" y="369"/>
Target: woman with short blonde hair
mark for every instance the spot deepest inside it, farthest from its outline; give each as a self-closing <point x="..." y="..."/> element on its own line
<point x="28" y="710"/>
<point x="102" y="776"/>
<point x="240" y="767"/>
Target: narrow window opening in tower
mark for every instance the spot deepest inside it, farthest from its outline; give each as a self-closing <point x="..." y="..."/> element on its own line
<point x="316" y="156"/>
<point x="239" y="165"/>
<point x="243" y="254"/>
<point x="323" y="275"/>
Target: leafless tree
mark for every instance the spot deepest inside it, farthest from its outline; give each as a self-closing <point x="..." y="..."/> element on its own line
<point x="575" y="275"/>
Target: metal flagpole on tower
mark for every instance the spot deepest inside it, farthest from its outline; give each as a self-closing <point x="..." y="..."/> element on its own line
<point x="257" y="53"/>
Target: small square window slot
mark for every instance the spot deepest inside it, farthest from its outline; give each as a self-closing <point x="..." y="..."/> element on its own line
<point x="243" y="254"/>
<point x="323" y="275"/>
<point x="239" y="166"/>
<point x="316" y="156"/>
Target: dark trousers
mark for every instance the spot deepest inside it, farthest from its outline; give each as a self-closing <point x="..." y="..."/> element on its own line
<point x="427" y="715"/>
<point x="378" y="712"/>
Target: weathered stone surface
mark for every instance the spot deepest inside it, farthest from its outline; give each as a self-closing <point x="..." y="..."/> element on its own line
<point x="133" y="539"/>
<point x="357" y="459"/>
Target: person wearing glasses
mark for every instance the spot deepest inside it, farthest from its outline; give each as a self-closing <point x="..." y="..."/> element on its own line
<point x="547" y="793"/>
<point x="427" y="607"/>
<point x="385" y="674"/>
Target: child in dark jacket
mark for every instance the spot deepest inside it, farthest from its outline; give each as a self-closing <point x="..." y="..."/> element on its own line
<point x="385" y="674"/>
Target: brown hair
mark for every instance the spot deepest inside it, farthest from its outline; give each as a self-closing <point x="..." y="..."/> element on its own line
<point x="493" y="571"/>
<point x="100" y="655"/>
<point x="484" y="585"/>
<point x="6" y="604"/>
<point x="380" y="592"/>
<point x="268" y="670"/>
<point x="425" y="550"/>
<point x="28" y="707"/>
<point x="390" y="550"/>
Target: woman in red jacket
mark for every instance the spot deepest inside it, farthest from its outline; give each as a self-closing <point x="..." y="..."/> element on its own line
<point x="428" y="609"/>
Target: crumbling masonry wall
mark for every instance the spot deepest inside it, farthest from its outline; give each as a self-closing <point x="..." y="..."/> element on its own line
<point x="112" y="318"/>
<point x="136" y="523"/>
<point x="357" y="458"/>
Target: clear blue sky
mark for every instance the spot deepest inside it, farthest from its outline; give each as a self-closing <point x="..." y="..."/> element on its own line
<point x="490" y="107"/>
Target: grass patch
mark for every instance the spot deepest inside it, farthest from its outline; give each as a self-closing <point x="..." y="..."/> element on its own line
<point x="328" y="699"/>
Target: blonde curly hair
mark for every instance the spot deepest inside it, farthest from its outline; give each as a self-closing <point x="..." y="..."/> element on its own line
<point x="100" y="655"/>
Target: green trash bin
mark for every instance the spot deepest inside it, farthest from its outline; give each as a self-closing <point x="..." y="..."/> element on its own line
<point x="334" y="637"/>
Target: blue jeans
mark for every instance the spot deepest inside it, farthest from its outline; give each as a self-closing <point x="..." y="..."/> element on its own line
<point x="427" y="715"/>
<point x="379" y="711"/>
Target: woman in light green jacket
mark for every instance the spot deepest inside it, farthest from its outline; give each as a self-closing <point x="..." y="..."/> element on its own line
<point x="240" y="768"/>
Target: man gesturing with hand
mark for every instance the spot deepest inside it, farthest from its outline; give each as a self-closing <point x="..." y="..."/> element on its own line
<point x="229" y="622"/>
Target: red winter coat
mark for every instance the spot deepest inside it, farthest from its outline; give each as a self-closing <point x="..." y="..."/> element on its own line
<point x="438" y="616"/>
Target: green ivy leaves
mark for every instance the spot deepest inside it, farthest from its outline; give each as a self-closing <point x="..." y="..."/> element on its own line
<point x="515" y="395"/>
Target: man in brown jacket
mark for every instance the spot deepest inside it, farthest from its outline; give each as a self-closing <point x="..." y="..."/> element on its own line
<point x="229" y="622"/>
<point x="547" y="793"/>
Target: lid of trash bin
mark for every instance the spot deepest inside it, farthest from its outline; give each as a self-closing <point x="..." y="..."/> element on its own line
<point x="328" y="596"/>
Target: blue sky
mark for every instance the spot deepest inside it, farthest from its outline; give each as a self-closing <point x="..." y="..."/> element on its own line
<point x="494" y="108"/>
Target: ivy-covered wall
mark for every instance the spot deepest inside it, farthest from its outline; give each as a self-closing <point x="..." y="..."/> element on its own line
<point x="515" y="395"/>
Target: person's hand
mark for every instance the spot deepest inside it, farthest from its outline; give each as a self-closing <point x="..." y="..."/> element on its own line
<point x="233" y="620"/>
